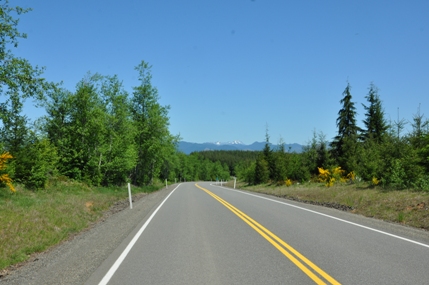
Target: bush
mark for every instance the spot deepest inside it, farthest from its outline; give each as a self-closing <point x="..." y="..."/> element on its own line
<point x="35" y="163"/>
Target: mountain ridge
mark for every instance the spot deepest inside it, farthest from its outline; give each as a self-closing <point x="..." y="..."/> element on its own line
<point x="188" y="147"/>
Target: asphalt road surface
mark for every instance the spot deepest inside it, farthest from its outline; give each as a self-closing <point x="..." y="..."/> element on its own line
<point x="207" y="234"/>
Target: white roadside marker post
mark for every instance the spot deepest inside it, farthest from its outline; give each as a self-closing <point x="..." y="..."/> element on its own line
<point x="166" y="185"/>
<point x="129" y="194"/>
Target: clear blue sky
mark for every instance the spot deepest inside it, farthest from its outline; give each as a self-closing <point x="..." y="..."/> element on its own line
<point x="229" y="68"/>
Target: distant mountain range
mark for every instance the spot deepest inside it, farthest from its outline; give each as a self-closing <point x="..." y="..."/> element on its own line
<point x="188" y="147"/>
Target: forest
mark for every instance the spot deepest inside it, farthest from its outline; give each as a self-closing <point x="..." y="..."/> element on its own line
<point x="100" y="134"/>
<point x="378" y="153"/>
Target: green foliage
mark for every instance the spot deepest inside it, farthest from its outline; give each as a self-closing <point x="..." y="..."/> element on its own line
<point x="36" y="163"/>
<point x="118" y="154"/>
<point x="262" y="170"/>
<point x="153" y="139"/>
<point x="344" y="146"/>
<point x="19" y="80"/>
<point x="296" y="169"/>
<point x="420" y="129"/>
<point x="316" y="154"/>
<point x="245" y="171"/>
<point x="375" y="124"/>
<point x="232" y="158"/>
<point x="369" y="162"/>
<point x="279" y="158"/>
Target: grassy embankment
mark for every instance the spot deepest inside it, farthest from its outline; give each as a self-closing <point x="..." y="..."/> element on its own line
<point x="406" y="207"/>
<point x="33" y="221"/>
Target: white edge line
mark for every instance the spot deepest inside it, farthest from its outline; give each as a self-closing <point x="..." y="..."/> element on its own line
<point x="332" y="217"/>
<point x="121" y="258"/>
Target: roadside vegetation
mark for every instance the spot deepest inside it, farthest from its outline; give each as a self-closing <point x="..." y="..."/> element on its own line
<point x="34" y="221"/>
<point x="61" y="172"/>
<point x="406" y="207"/>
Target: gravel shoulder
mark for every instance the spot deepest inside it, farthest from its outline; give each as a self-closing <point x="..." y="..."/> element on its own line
<point x="73" y="261"/>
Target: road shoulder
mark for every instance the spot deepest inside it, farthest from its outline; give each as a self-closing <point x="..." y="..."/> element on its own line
<point x="73" y="261"/>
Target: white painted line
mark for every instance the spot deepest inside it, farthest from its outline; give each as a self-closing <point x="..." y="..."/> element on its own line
<point x="332" y="217"/>
<point x="121" y="258"/>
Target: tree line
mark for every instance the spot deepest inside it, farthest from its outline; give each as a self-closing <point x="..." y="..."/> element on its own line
<point x="377" y="153"/>
<point x="99" y="133"/>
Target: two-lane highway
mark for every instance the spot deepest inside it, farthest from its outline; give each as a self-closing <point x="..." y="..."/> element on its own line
<point x="205" y="234"/>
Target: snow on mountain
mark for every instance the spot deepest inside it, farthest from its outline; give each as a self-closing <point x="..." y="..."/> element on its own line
<point x="226" y="143"/>
<point x="188" y="147"/>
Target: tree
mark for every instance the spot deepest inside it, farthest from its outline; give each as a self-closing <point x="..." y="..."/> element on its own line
<point x="345" y="144"/>
<point x="153" y="139"/>
<point x="268" y="156"/>
<point x="262" y="171"/>
<point x="279" y="157"/>
<point x="119" y="155"/>
<point x="19" y="80"/>
<point x="38" y="164"/>
<point x="420" y="129"/>
<point x="310" y="155"/>
<point x="55" y="123"/>
<point x="375" y="124"/>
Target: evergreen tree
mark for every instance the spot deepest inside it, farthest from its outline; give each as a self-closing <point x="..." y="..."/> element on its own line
<point x="420" y="129"/>
<point x="345" y="144"/>
<point x="268" y="157"/>
<point x="262" y="171"/>
<point x="375" y="124"/>
<point x="279" y="158"/>
<point x="323" y="156"/>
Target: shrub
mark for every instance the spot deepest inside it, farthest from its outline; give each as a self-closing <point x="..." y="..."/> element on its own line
<point x="329" y="177"/>
<point x="4" y="177"/>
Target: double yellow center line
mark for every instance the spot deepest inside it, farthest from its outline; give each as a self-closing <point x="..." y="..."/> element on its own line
<point x="298" y="259"/>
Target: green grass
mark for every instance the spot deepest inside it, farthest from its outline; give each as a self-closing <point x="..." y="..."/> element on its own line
<point x="400" y="206"/>
<point x="34" y="221"/>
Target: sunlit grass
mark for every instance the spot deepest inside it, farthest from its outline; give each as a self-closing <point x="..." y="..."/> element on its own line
<point x="34" y="221"/>
<point x="401" y="206"/>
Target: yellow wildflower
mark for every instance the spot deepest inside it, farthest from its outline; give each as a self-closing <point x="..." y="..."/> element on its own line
<point x="4" y="178"/>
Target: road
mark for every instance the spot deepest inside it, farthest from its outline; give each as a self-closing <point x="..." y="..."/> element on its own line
<point x="207" y="234"/>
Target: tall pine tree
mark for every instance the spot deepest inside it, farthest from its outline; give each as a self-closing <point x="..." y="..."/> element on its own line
<point x="345" y="144"/>
<point x="375" y="124"/>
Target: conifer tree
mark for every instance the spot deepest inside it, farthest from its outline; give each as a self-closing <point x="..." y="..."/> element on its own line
<point x="375" y="124"/>
<point x="345" y="144"/>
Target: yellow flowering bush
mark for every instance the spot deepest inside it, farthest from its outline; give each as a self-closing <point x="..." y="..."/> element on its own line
<point x="330" y="182"/>
<point x="288" y="182"/>
<point x="336" y="174"/>
<point x="351" y="176"/>
<point x="4" y="178"/>
<point x="324" y="174"/>
<point x="375" y="181"/>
